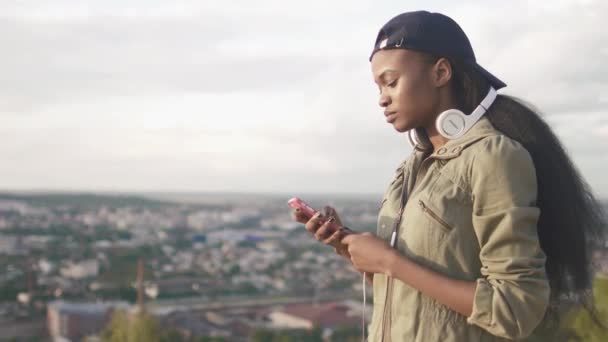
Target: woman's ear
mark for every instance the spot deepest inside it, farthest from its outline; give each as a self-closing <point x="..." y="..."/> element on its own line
<point x="442" y="72"/>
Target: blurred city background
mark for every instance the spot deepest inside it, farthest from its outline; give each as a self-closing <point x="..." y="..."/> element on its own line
<point x="204" y="265"/>
<point x="233" y="267"/>
<point x="149" y="148"/>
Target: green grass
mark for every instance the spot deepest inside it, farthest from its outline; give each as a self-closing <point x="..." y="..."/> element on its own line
<point x="578" y="325"/>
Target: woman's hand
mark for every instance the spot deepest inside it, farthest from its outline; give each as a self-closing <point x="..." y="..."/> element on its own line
<point x="323" y="232"/>
<point x="369" y="253"/>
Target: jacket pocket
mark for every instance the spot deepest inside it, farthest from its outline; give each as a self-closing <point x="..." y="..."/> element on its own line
<point x="428" y="211"/>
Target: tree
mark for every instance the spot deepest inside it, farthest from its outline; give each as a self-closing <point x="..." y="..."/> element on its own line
<point x="210" y="339"/>
<point x="578" y="325"/>
<point x="118" y="329"/>
<point x="346" y="334"/>
<point x="582" y="323"/>
<point x="299" y="335"/>
<point x="261" y="335"/>
<point x="131" y="328"/>
<point x="173" y="335"/>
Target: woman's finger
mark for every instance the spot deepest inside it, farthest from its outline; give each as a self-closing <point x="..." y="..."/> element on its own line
<point x="332" y="212"/>
<point x="336" y="236"/>
<point x="313" y="224"/>
<point x="324" y="231"/>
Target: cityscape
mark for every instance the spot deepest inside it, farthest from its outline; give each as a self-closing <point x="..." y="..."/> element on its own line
<point x="223" y="267"/>
<point x="199" y="267"/>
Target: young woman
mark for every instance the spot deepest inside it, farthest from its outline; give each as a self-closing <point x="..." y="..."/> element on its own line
<point x="487" y="226"/>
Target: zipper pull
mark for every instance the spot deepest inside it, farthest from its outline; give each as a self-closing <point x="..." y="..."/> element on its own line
<point x="393" y="238"/>
<point x="422" y="205"/>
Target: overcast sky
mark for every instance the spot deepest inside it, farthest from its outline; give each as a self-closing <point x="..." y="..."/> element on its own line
<point x="261" y="96"/>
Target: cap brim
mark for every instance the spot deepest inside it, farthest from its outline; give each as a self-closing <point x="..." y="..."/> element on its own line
<point x="494" y="81"/>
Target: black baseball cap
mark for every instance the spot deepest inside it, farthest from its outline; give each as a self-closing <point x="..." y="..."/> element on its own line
<point x="432" y="33"/>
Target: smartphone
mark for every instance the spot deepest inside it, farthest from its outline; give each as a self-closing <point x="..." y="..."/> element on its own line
<point x="298" y="203"/>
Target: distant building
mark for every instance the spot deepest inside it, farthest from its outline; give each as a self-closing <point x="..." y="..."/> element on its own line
<point x="14" y="206"/>
<point x="73" y="321"/>
<point x="202" y="238"/>
<point x="81" y="270"/>
<point x="239" y="235"/>
<point x="202" y="220"/>
<point x="191" y="325"/>
<point x="307" y="316"/>
<point x="8" y="244"/>
<point x="176" y="285"/>
<point x="36" y="241"/>
<point x="12" y="245"/>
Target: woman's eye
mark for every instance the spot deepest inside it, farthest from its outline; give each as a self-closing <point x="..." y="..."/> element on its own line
<point x="391" y="84"/>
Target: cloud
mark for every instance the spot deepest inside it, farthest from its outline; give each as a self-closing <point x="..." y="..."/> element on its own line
<point x="201" y="96"/>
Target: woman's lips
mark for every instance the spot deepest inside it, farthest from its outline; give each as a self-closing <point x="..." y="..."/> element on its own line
<point x="390" y="117"/>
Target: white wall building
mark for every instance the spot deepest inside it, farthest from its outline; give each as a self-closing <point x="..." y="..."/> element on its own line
<point x="81" y="270"/>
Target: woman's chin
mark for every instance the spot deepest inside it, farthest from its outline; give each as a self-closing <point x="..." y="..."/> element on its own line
<point x="401" y="126"/>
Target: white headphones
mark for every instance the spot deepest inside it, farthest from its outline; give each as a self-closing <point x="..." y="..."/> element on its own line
<point x="452" y="123"/>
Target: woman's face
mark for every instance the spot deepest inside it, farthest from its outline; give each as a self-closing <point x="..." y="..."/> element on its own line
<point x="407" y="93"/>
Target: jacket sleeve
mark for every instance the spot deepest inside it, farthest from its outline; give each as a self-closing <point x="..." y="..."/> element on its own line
<point x="512" y="296"/>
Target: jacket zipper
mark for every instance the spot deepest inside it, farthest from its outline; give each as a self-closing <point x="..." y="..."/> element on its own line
<point x="431" y="213"/>
<point x="389" y="282"/>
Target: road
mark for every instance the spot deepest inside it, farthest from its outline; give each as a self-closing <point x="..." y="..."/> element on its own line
<point x="197" y="303"/>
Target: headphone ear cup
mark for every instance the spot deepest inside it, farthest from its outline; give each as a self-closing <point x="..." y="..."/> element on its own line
<point x="451" y="123"/>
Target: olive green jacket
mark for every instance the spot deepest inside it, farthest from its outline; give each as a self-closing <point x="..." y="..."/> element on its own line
<point x="470" y="214"/>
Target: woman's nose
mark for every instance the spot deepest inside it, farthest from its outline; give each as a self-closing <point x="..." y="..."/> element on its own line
<point x="384" y="100"/>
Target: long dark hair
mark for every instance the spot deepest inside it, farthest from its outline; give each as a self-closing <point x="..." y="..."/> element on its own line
<point x="571" y="223"/>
